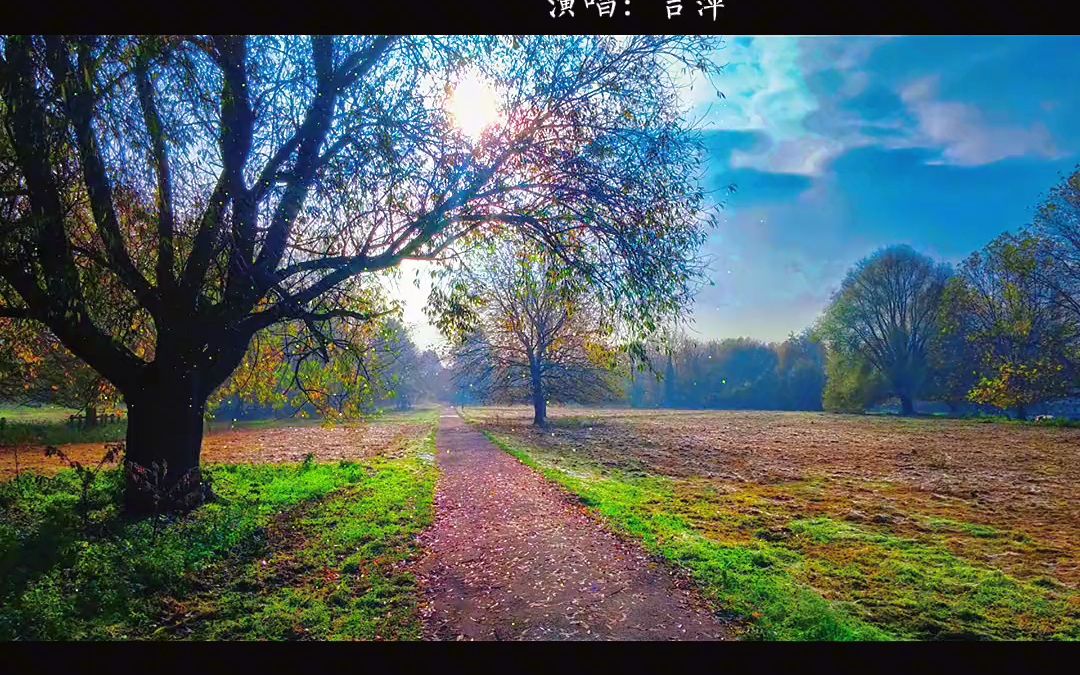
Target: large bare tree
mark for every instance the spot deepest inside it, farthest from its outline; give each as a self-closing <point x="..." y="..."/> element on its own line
<point x="218" y="185"/>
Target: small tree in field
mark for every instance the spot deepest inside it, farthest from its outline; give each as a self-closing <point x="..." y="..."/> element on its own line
<point x="885" y="313"/>
<point x="1007" y="309"/>
<point x="542" y="338"/>
<point x="216" y="186"/>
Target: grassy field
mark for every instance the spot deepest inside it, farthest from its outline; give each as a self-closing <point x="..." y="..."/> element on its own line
<point x="44" y="414"/>
<point x="297" y="546"/>
<point x="834" y="527"/>
<point x="48" y="425"/>
<point x="22" y="426"/>
<point x="806" y="526"/>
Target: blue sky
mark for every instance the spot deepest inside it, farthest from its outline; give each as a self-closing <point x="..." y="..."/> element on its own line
<point x="840" y="145"/>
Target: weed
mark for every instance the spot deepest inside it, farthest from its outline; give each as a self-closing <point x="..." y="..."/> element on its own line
<point x="87" y="475"/>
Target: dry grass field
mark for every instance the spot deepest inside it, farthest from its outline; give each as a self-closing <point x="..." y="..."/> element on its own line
<point x="261" y="443"/>
<point x="914" y="527"/>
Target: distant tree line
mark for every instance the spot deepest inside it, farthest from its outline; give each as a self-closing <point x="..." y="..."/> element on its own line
<point x="998" y="332"/>
<point x="735" y="373"/>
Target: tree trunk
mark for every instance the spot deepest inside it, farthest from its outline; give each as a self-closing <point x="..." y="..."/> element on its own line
<point x="1021" y="412"/>
<point x="539" y="402"/>
<point x="906" y="406"/>
<point x="164" y="440"/>
<point x="91" y="416"/>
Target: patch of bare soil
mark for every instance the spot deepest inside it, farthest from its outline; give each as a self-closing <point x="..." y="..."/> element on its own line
<point x="243" y="446"/>
<point x="511" y="557"/>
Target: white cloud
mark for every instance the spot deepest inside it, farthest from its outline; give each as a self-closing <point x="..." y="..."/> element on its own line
<point x="765" y="88"/>
<point x="964" y="135"/>
<point x="762" y="86"/>
<point x="807" y="155"/>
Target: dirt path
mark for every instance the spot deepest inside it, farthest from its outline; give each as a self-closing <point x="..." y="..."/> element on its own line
<point x="510" y="557"/>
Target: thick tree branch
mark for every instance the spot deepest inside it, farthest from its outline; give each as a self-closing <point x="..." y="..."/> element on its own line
<point x="79" y="101"/>
<point x="156" y="130"/>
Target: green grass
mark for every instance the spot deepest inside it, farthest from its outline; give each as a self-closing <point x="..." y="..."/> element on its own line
<point x="1063" y="422"/>
<point x="51" y="433"/>
<point x="924" y="591"/>
<point x="339" y="578"/>
<point x="25" y="414"/>
<point x="61" y="578"/>
<point x="797" y="578"/>
<point x="47" y="425"/>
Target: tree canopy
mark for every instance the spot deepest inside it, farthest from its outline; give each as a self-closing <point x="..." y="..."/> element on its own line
<point x="540" y="335"/>
<point x="1008" y="310"/>
<point x="885" y="314"/>
<point x="210" y="187"/>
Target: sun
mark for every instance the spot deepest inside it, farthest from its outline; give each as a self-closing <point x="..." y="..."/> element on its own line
<point x="473" y="105"/>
